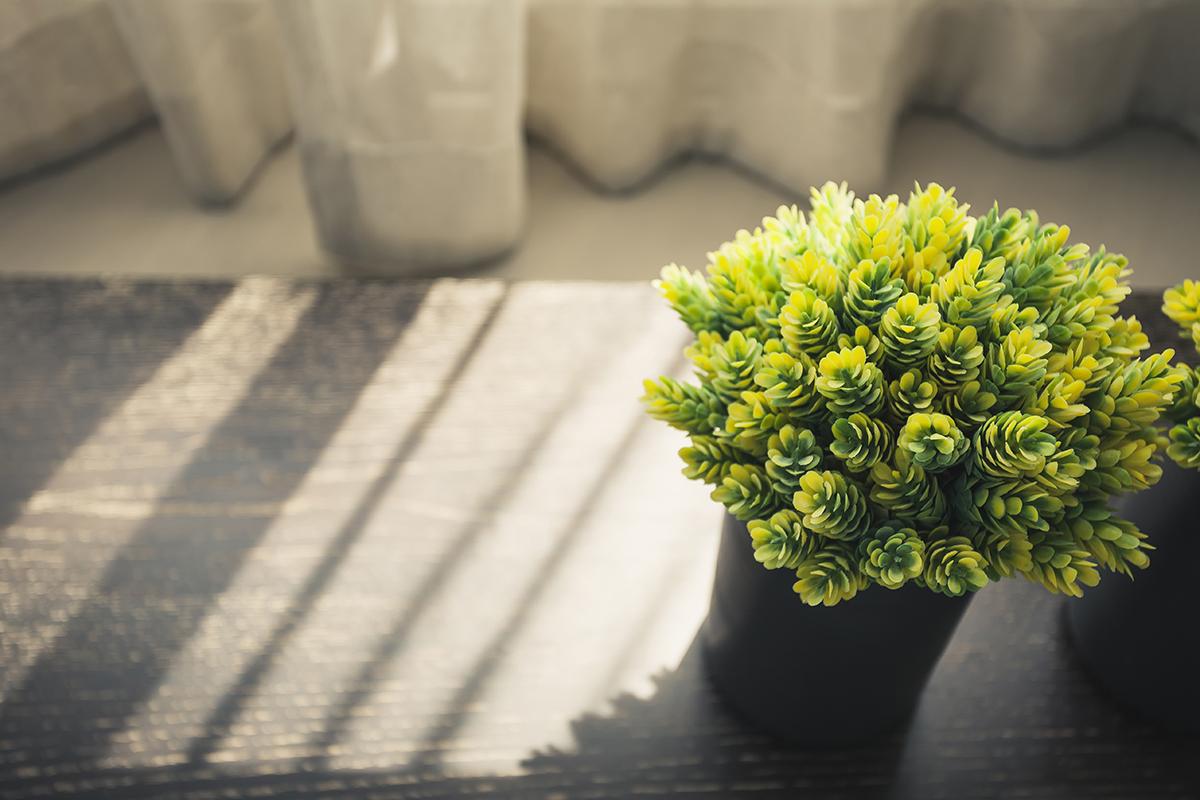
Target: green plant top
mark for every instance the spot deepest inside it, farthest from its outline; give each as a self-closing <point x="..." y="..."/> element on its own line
<point x="892" y="393"/>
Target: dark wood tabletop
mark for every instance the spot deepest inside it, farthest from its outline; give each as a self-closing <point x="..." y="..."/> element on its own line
<point x="390" y="539"/>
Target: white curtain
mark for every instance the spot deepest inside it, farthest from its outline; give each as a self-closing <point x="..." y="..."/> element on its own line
<point x="409" y="123"/>
<point x="806" y="90"/>
<point x="212" y="68"/>
<point x="66" y="82"/>
<point x="75" y="72"/>
<point x="409" y="113"/>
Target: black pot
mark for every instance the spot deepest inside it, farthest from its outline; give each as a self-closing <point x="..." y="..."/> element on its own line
<point x="817" y="675"/>
<point x="1140" y="638"/>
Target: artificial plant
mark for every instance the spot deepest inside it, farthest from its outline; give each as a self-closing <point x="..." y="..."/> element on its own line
<point x="892" y="393"/>
<point x="1182" y="304"/>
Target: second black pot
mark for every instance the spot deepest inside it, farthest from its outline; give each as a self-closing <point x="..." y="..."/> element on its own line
<point x="815" y="675"/>
<point x="1140" y="638"/>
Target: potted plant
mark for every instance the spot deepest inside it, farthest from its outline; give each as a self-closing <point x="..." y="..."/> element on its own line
<point x="898" y="404"/>
<point x="1141" y="639"/>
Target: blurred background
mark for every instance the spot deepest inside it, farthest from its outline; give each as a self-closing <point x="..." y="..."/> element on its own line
<point x="279" y="521"/>
<point x="561" y="140"/>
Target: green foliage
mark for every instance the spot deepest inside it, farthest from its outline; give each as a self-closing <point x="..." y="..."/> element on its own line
<point x="832" y="505"/>
<point x="1061" y="564"/>
<point x="1004" y="235"/>
<point x="953" y="566"/>
<point x="969" y="406"/>
<point x="892" y="555"/>
<point x="1115" y="543"/>
<point x="862" y="337"/>
<point x="708" y="459"/>
<point x="743" y="278"/>
<point x="791" y="452"/>
<point x="752" y="421"/>
<point x="1125" y="338"/>
<point x="1013" y="445"/>
<point x="1005" y="507"/>
<point x="781" y="541"/>
<point x="1018" y="365"/>
<point x="909" y="394"/>
<point x="1184" y="449"/>
<point x="831" y="207"/>
<point x="967" y="294"/>
<point x="808" y="324"/>
<point x="829" y="575"/>
<point x="746" y="492"/>
<point x="811" y="272"/>
<point x="734" y="363"/>
<point x="956" y="358"/>
<point x="1007" y="317"/>
<point x="687" y="292"/>
<point x="907" y="493"/>
<point x="860" y="441"/>
<point x="892" y="391"/>
<point x="909" y="332"/>
<point x="1036" y="276"/>
<point x="693" y="409"/>
<point x="871" y="290"/>
<point x="790" y="235"/>
<point x="1182" y="304"/>
<point x="1123" y="412"/>
<point x="701" y="351"/>
<point x="790" y="385"/>
<point x="849" y="382"/>
<point x="1007" y="554"/>
<point x="1060" y="401"/>
<point x="876" y="229"/>
<point x="1185" y="406"/>
<point x="933" y="441"/>
<point x="936" y="230"/>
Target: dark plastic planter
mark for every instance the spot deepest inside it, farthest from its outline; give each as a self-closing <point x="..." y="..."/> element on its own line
<point x="1140" y="639"/>
<point x="819" y="676"/>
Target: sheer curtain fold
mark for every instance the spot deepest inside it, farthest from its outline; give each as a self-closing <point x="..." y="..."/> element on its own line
<point x="417" y="156"/>
<point x="409" y="125"/>
<point x="66" y="82"/>
<point x="213" y="70"/>
<point x="802" y="91"/>
<point x="410" y="113"/>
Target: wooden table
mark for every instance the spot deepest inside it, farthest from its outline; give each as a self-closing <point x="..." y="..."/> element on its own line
<point x="384" y="539"/>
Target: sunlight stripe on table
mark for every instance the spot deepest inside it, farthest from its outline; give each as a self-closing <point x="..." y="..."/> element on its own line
<point x="419" y="554"/>
<point x="173" y="412"/>
<point x="266" y="602"/>
<point x="528" y="615"/>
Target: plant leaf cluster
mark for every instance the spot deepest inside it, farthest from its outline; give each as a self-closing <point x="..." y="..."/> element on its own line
<point x="1182" y="304"/>
<point x="893" y="393"/>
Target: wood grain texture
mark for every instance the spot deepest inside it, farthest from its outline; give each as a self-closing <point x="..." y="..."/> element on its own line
<point x="379" y="539"/>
